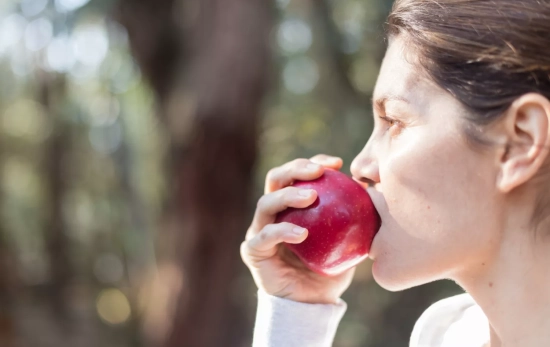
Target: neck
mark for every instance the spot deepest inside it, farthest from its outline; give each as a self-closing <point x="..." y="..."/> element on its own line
<point x="513" y="289"/>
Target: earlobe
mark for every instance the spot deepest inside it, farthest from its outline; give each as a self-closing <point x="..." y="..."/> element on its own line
<point x="512" y="176"/>
<point x="528" y="140"/>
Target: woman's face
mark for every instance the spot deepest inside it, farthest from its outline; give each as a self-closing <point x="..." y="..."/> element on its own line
<point x="436" y="195"/>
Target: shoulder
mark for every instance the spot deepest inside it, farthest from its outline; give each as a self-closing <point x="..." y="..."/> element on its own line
<point x="451" y="322"/>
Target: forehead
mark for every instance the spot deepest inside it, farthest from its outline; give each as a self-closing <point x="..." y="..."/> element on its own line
<point x="398" y="75"/>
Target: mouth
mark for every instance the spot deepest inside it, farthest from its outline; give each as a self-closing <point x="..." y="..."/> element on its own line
<point x="373" y="191"/>
<point x="372" y="255"/>
<point x="374" y="194"/>
<point x="363" y="182"/>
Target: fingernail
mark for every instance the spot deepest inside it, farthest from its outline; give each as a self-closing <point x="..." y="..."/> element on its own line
<point x="312" y="167"/>
<point x="305" y="192"/>
<point x="298" y="231"/>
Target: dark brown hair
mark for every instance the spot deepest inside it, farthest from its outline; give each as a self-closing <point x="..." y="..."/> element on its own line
<point x="485" y="53"/>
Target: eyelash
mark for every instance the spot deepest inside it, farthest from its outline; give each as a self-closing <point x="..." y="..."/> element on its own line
<point x="390" y="121"/>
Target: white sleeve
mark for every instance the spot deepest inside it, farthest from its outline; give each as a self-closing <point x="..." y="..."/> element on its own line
<point x="452" y="322"/>
<point x="286" y="323"/>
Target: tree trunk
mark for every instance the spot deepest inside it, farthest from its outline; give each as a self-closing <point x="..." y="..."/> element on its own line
<point x="7" y="266"/>
<point x="211" y="111"/>
<point x="57" y="242"/>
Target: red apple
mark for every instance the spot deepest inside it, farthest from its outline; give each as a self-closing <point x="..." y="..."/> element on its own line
<point x="341" y="223"/>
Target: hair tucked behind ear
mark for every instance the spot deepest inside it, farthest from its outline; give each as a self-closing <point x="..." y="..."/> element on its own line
<point x="485" y="53"/>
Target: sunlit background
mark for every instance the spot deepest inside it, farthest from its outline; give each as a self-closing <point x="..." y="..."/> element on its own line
<point x="83" y="182"/>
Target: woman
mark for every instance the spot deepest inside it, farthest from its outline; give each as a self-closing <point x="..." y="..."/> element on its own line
<point x="458" y="168"/>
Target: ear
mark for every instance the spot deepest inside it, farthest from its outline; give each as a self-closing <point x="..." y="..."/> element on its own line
<point x="527" y="133"/>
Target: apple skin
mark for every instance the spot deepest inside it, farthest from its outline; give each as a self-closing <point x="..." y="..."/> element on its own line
<point x="341" y="224"/>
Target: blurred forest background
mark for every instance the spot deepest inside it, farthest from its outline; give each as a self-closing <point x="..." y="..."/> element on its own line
<point x="135" y="136"/>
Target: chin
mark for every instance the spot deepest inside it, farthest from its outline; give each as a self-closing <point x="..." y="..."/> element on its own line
<point x="385" y="280"/>
<point x="394" y="280"/>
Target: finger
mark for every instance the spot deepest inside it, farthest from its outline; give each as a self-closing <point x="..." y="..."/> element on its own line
<point x="285" y="175"/>
<point x="264" y="245"/>
<point x="328" y="161"/>
<point x="271" y="204"/>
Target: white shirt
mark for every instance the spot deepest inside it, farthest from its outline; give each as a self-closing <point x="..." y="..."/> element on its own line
<point x="453" y="322"/>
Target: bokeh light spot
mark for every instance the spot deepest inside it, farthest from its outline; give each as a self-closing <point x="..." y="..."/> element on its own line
<point x="69" y="5"/>
<point x="113" y="306"/>
<point x="38" y="34"/>
<point x="60" y="56"/>
<point x="294" y="36"/>
<point x="90" y="44"/>
<point x="26" y="119"/>
<point x="300" y="75"/>
<point x="364" y="72"/>
<point x="11" y="31"/>
<point x="31" y="8"/>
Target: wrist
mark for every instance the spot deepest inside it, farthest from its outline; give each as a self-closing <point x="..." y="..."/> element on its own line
<point x="309" y="299"/>
<point x="315" y="300"/>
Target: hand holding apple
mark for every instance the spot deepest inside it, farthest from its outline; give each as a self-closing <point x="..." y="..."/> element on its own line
<point x="341" y="223"/>
<point x="275" y="269"/>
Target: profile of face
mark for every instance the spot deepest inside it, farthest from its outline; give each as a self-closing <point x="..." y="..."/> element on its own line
<point x="437" y="196"/>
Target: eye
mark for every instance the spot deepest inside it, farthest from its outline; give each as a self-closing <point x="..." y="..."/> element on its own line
<point x="392" y="125"/>
<point x="391" y="122"/>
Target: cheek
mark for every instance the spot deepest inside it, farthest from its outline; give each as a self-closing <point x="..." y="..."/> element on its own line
<point x="436" y="212"/>
<point x="426" y="183"/>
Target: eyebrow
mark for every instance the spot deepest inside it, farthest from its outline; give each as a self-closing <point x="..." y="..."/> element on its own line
<point x="380" y="102"/>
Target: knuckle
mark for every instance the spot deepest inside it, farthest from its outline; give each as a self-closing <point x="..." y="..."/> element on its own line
<point x="244" y="250"/>
<point x="275" y="176"/>
<point x="261" y="204"/>
<point x="300" y="162"/>
<point x="272" y="177"/>
<point x="265" y="202"/>
<point x="266" y="232"/>
<point x="318" y="157"/>
<point x="271" y="174"/>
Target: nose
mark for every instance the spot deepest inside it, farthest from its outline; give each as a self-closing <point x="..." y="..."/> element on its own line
<point x="364" y="167"/>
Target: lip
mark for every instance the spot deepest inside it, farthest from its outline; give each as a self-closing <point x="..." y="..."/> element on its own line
<point x="372" y="255"/>
<point x="376" y="197"/>
<point x="361" y="183"/>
